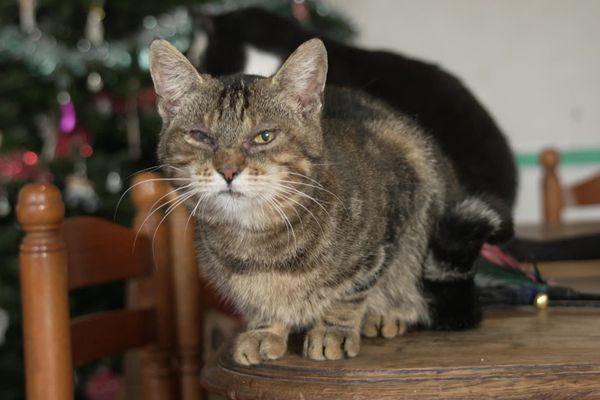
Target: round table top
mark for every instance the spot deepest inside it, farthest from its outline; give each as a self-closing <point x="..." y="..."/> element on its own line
<point x="514" y="351"/>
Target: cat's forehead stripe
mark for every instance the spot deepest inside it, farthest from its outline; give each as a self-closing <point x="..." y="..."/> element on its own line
<point x="234" y="97"/>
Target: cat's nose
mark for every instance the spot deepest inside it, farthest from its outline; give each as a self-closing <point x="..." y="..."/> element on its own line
<point x="229" y="173"/>
<point x="229" y="163"/>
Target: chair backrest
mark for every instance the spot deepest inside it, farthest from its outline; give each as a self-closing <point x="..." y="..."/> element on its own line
<point x="58" y="255"/>
<point x="556" y="196"/>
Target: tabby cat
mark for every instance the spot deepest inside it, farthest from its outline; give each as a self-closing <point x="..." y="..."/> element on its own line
<point x="446" y="110"/>
<point x="318" y="209"/>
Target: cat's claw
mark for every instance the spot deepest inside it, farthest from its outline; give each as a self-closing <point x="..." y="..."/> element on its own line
<point x="386" y="326"/>
<point x="254" y="347"/>
<point x="331" y="343"/>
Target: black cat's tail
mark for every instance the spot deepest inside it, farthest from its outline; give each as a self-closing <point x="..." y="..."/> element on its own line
<point x="455" y="245"/>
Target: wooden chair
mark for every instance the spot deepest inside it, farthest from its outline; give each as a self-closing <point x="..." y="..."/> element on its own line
<point x="556" y="196"/>
<point x="163" y="316"/>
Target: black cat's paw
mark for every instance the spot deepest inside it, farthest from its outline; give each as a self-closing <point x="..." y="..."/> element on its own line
<point x="471" y="219"/>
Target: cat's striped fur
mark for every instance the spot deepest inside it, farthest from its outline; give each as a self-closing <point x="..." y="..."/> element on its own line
<point x="326" y="226"/>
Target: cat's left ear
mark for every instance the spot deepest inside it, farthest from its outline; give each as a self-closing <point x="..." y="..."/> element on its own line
<point x="301" y="79"/>
<point x="173" y="76"/>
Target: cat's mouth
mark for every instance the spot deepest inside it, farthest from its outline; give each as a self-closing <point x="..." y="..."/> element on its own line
<point x="231" y="193"/>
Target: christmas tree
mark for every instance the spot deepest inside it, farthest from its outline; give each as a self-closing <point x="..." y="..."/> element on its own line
<point x="77" y="110"/>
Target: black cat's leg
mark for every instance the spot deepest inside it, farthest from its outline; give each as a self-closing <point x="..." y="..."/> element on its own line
<point x="453" y="305"/>
<point x="337" y="334"/>
<point x="261" y="342"/>
<point x="456" y="243"/>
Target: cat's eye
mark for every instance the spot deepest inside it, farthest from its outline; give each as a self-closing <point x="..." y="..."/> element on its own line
<point x="264" y="137"/>
<point x="202" y="137"/>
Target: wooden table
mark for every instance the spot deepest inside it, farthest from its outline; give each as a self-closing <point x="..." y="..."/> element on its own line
<point x="518" y="353"/>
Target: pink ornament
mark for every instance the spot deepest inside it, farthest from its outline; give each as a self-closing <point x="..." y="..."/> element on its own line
<point x="19" y="165"/>
<point x="300" y="10"/>
<point x="78" y="141"/>
<point x="67" y="117"/>
<point x="30" y="158"/>
<point x="103" y="385"/>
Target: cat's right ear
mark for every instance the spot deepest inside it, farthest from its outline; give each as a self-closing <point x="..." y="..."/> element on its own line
<point x="173" y="76"/>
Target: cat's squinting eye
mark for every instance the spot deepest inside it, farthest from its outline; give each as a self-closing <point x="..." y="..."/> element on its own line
<point x="202" y="137"/>
<point x="264" y="137"/>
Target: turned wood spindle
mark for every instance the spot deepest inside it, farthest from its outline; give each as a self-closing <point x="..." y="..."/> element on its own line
<point x="44" y="294"/>
<point x="148" y="194"/>
<point x="552" y="193"/>
<point x="187" y="301"/>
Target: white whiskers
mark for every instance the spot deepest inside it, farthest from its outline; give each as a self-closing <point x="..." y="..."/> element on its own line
<point x="146" y="181"/>
<point x="277" y="207"/>
<point x="179" y="200"/>
<point x="154" y="209"/>
<point x="317" y="184"/>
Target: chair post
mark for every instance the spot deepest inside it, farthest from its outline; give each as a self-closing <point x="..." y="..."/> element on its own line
<point x="187" y="301"/>
<point x="552" y="193"/>
<point x="158" y="378"/>
<point x="44" y="294"/>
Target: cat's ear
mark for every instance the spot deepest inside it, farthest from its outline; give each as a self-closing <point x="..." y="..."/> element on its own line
<point x="301" y="79"/>
<point x="173" y="76"/>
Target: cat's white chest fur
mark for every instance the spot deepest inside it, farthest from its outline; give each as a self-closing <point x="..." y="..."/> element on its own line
<point x="282" y="296"/>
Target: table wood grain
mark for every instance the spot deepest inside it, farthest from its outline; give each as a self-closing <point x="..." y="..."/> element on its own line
<point x="518" y="353"/>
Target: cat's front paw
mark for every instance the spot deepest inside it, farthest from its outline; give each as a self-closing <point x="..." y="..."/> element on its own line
<point x="254" y="347"/>
<point x="386" y="326"/>
<point x="331" y="343"/>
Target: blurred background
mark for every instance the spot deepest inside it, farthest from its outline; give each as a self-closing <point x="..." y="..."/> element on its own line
<point x="77" y="104"/>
